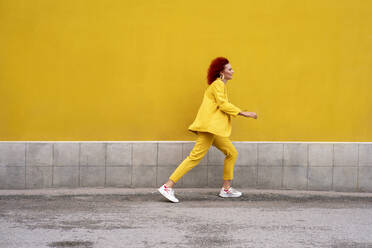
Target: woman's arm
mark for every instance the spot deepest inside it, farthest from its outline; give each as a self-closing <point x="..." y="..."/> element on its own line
<point x="226" y="106"/>
<point x="222" y="102"/>
<point x="249" y="114"/>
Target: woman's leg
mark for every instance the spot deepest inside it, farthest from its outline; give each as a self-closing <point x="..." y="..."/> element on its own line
<point x="202" y="145"/>
<point x="224" y="144"/>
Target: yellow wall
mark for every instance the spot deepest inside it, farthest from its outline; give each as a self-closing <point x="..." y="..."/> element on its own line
<point x="135" y="69"/>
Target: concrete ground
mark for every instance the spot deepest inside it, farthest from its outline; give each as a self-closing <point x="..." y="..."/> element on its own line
<point x="112" y="217"/>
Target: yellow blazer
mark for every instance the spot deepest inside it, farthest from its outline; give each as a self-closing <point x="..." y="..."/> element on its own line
<point x="214" y="114"/>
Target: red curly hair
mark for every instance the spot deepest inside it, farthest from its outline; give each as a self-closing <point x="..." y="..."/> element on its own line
<point x="217" y="65"/>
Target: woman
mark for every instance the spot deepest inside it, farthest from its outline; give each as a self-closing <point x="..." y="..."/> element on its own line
<point x="213" y="127"/>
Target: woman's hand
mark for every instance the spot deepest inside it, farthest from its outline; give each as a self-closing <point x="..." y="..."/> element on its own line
<point x="249" y="114"/>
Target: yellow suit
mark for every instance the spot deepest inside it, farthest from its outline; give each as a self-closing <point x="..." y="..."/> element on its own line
<point x="213" y="127"/>
<point x="214" y="114"/>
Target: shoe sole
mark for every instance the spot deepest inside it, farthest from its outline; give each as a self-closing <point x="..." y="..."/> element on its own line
<point x="163" y="194"/>
<point x="233" y="196"/>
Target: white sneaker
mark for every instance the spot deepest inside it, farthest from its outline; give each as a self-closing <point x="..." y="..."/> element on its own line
<point x="231" y="192"/>
<point x="168" y="193"/>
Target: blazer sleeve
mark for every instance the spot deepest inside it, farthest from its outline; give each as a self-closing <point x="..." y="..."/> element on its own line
<point x="222" y="102"/>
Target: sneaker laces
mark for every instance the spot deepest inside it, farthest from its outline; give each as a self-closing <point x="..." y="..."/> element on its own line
<point x="230" y="190"/>
<point x="169" y="190"/>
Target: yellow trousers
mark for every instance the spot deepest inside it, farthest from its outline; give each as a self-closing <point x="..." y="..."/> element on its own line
<point x="203" y="143"/>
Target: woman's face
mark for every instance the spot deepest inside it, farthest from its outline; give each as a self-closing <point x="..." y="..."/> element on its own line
<point x="227" y="72"/>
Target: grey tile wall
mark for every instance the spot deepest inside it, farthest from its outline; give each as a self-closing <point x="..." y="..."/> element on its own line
<point x="365" y="154"/>
<point x="66" y="176"/>
<point x="270" y="155"/>
<point x="39" y="154"/>
<point x="345" y="178"/>
<point x="119" y="176"/>
<point x="247" y="154"/>
<point x="197" y="177"/>
<point x="66" y="154"/>
<point x="320" y="154"/>
<point x="295" y="155"/>
<point x="12" y="165"/>
<point x="12" y="177"/>
<point x="320" y="178"/>
<point x="272" y="165"/>
<point x="12" y="154"/>
<point x="345" y="154"/>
